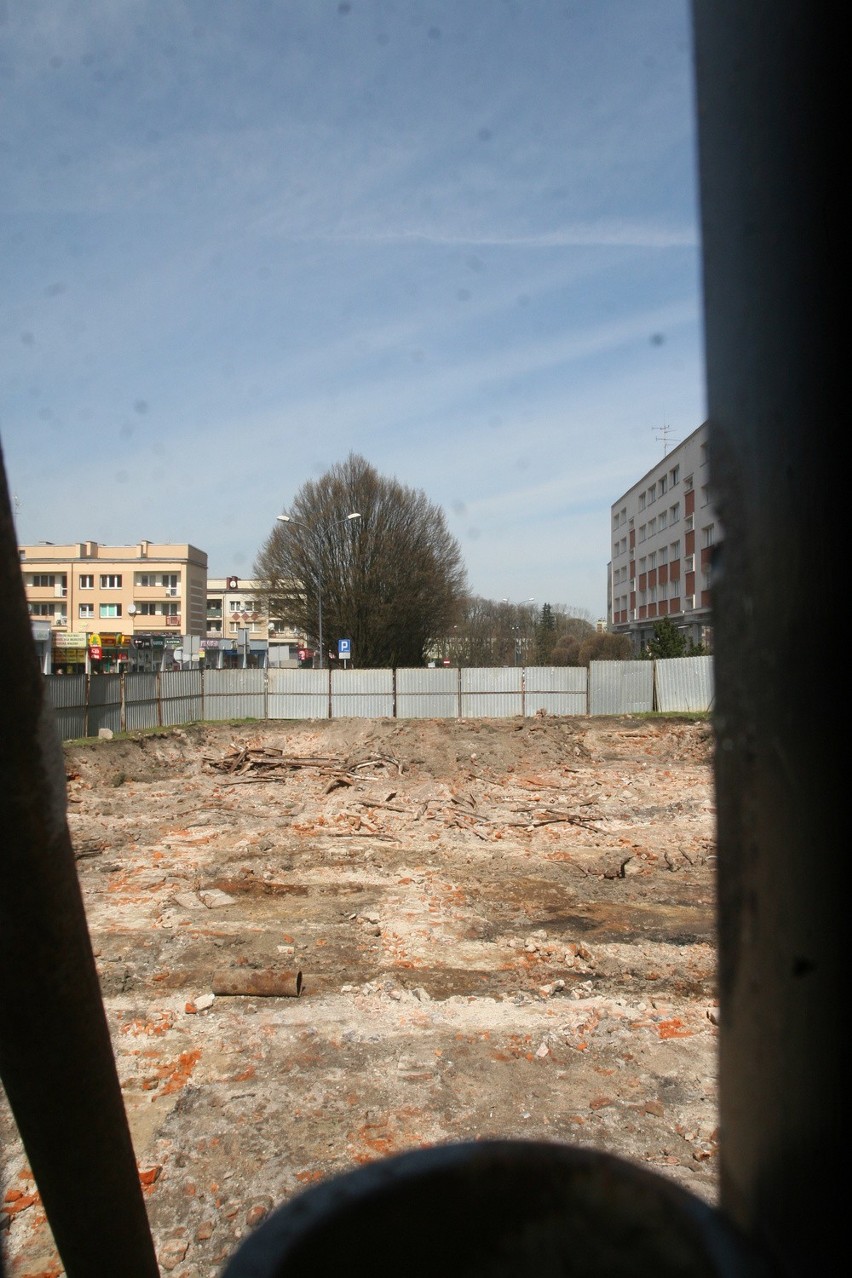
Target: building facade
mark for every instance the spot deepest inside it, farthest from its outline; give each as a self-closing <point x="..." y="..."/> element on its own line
<point x="663" y="532"/>
<point x="240" y="634"/>
<point x="105" y="609"/>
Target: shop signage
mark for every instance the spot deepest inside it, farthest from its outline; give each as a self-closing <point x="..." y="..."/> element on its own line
<point x="95" y="651"/>
<point x="71" y="639"/>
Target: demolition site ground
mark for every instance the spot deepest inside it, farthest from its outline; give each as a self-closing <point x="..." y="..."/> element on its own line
<point x="323" y="942"/>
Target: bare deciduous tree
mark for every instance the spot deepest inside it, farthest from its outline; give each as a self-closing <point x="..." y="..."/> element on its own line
<point x="392" y="581"/>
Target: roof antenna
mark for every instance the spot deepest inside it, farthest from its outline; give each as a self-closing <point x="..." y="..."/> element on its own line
<point x="665" y="431"/>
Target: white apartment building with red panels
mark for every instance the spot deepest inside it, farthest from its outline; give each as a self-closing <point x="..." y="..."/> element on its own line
<point x="663" y="531"/>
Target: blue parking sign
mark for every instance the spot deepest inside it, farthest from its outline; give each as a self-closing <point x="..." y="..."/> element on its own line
<point x="344" y="649"/>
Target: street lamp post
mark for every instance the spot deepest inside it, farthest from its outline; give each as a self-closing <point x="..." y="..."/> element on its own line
<point x="131" y="612"/>
<point x="288" y="519"/>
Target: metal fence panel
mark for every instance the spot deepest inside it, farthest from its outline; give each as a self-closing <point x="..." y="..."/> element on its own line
<point x="104" y="703"/>
<point x="427" y="693"/>
<point x="67" y="695"/>
<point x="491" y="694"/>
<point x="684" y="683"/>
<point x="363" y="694"/>
<point x="556" y="690"/>
<point x="234" y="694"/>
<point x="298" y="694"/>
<point x="621" y="687"/>
<point x="141" y="702"/>
<point x="180" y="696"/>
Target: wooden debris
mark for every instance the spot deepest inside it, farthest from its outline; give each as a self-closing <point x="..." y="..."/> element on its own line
<point x="264" y="763"/>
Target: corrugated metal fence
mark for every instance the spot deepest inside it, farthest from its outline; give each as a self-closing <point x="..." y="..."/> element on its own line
<point x="130" y="703"/>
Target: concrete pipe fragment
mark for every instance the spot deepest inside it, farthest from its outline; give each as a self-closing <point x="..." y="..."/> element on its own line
<point x="257" y="984"/>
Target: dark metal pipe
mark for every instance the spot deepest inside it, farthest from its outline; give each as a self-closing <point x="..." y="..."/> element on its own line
<point x="773" y="185"/>
<point x="56" y="1059"/>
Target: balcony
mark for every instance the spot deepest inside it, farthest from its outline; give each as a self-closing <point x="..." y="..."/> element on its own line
<point x="172" y="621"/>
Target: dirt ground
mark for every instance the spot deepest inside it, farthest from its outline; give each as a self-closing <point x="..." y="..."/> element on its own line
<point x="323" y="942"/>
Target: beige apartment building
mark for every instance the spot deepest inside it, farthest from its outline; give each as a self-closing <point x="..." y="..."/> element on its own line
<point x="103" y="609"/>
<point x="240" y="632"/>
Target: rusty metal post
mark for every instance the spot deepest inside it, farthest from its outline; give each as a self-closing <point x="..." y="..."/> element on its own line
<point x="56" y="1059"/>
<point x="774" y="189"/>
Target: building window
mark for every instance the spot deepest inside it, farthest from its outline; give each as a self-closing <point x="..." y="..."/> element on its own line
<point x="687" y="483"/>
<point x="652" y="527"/>
<point x="170" y="609"/>
<point x="652" y="559"/>
<point x="708" y="535"/>
<point x="149" y="609"/>
<point x="41" y="610"/>
<point x="109" y="610"/>
<point x="86" y="610"/>
<point x="110" y="581"/>
<point x="675" y="550"/>
<point x="642" y="563"/>
<point x="87" y="581"/>
<point x="652" y="493"/>
<point x="674" y="475"/>
<point x="661" y="523"/>
<point x="674" y="513"/>
<point x="641" y="501"/>
<point x="663" y="556"/>
<point x="42" y="581"/>
<point x="663" y="484"/>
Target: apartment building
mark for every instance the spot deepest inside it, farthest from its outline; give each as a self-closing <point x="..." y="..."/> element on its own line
<point x="101" y="609"/>
<point x="240" y="632"/>
<point x="663" y="532"/>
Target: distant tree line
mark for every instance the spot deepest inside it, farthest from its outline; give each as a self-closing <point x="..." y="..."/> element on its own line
<point x="499" y="633"/>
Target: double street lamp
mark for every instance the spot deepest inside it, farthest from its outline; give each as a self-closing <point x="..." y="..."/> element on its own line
<point x="288" y="519"/>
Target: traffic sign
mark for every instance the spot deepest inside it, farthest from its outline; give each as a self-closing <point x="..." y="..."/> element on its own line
<point x="344" y="649"/>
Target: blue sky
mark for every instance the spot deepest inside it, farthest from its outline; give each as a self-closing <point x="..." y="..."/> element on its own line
<point x="244" y="238"/>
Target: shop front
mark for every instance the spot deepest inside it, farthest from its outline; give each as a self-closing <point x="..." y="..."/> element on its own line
<point x="68" y="656"/>
<point x="109" y="653"/>
<point x="152" y="652"/>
